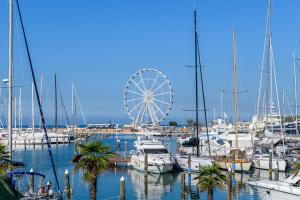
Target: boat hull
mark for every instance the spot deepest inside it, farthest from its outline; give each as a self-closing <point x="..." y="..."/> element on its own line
<point x="196" y="162"/>
<point x="271" y="191"/>
<point x="238" y="166"/>
<point x="158" y="167"/>
<point x="264" y="164"/>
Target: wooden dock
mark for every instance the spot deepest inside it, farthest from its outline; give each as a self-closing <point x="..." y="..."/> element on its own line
<point x="119" y="161"/>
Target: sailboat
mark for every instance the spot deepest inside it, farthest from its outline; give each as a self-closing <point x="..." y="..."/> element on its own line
<point x="266" y="117"/>
<point x="234" y="163"/>
<point x="196" y="160"/>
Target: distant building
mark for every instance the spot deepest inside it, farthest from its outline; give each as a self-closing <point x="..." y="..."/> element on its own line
<point x="101" y="126"/>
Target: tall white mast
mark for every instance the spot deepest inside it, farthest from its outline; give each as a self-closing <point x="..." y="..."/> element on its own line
<point x="32" y="108"/>
<point x="222" y="114"/>
<point x="295" y="90"/>
<point x="10" y="77"/>
<point x="235" y="95"/>
<point x="20" y="109"/>
<point x="73" y="110"/>
<point x="269" y="61"/>
<point x="41" y="95"/>
<point x="15" y="113"/>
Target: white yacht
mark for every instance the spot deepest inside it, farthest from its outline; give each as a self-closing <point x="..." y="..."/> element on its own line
<point x="159" y="159"/>
<point x="277" y="190"/>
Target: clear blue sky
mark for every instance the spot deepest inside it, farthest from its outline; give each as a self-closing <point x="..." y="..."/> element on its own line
<point x="100" y="44"/>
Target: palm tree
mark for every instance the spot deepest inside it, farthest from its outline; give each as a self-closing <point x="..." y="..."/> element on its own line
<point x="296" y="167"/>
<point x="209" y="179"/>
<point x="5" y="163"/>
<point x="92" y="158"/>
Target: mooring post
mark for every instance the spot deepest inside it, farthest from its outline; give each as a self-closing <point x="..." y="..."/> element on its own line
<point x="146" y="165"/>
<point x="67" y="185"/>
<point x="270" y="164"/>
<point x="33" y="143"/>
<point x="42" y="142"/>
<point x="189" y="163"/>
<point x="126" y="148"/>
<point x="25" y="144"/>
<point x="229" y="184"/>
<point x="122" y="188"/>
<point x="146" y="186"/>
<point x="276" y="171"/>
<point x="57" y="140"/>
<point x="31" y="181"/>
<point x="48" y="187"/>
<point x="118" y="147"/>
<point x="182" y="184"/>
<point x="146" y="175"/>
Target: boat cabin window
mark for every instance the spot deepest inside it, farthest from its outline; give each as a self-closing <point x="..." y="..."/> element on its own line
<point x="221" y="142"/>
<point x="155" y="151"/>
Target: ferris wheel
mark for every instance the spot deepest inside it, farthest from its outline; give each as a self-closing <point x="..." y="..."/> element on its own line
<point x="148" y="97"/>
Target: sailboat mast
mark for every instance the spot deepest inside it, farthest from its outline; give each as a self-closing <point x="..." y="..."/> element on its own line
<point x="55" y="94"/>
<point x="10" y="78"/>
<point x="32" y="108"/>
<point x="235" y="95"/>
<point x="295" y="90"/>
<point x="73" y="106"/>
<point x="203" y="95"/>
<point x="41" y="96"/>
<point x="269" y="60"/>
<point x="196" y="80"/>
<point x="15" y="113"/>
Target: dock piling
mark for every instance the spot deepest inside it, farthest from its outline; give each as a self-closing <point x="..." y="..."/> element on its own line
<point x="146" y="165"/>
<point x="270" y="163"/>
<point x="126" y="148"/>
<point x="189" y="163"/>
<point x="276" y="172"/>
<point x="67" y="185"/>
<point x="31" y="181"/>
<point x="182" y="184"/>
<point x="122" y="188"/>
<point x="118" y="147"/>
<point x="229" y="197"/>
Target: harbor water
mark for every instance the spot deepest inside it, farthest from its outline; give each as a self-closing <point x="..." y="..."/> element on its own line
<point x="166" y="186"/>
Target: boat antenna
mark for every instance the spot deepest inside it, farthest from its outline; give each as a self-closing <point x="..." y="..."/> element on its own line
<point x="38" y="99"/>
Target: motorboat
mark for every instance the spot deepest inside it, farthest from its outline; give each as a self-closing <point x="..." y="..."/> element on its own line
<point x="158" y="157"/>
<point x="277" y="190"/>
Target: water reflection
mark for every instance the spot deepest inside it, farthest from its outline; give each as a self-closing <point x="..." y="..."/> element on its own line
<point x="154" y="186"/>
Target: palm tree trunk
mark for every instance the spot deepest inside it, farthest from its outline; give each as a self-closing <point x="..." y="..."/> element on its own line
<point x="210" y="195"/>
<point x="93" y="188"/>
